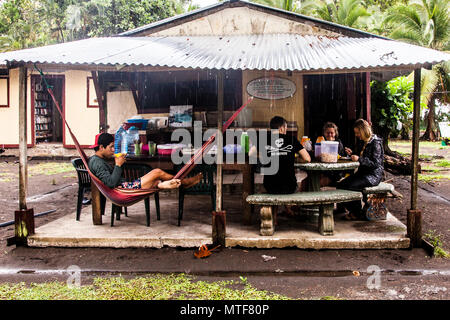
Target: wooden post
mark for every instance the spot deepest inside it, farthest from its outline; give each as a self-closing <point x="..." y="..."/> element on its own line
<point x="219" y="216"/>
<point x="414" y="216"/>
<point x="23" y="179"/>
<point x="96" y="205"/>
<point x="101" y="102"/>
<point x="247" y="189"/>
<point x="368" y="105"/>
<point x="134" y="91"/>
<point x="24" y="217"/>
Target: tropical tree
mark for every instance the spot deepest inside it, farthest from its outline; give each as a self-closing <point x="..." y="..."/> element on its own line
<point x="20" y="25"/>
<point x="288" y="5"/>
<point x="344" y="12"/>
<point x="392" y="106"/>
<point x="30" y="23"/>
<point x="109" y="17"/>
<point x="425" y="23"/>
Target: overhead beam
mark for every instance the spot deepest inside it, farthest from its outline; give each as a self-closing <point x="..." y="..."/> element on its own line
<point x="89" y="67"/>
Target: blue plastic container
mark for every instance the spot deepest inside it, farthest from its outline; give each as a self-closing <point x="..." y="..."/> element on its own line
<point x="143" y="122"/>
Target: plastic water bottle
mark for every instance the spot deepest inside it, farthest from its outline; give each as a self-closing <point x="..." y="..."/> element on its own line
<point x="132" y="136"/>
<point x="124" y="142"/>
<point x="118" y="140"/>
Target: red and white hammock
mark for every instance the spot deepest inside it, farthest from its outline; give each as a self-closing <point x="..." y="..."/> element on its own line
<point x="128" y="197"/>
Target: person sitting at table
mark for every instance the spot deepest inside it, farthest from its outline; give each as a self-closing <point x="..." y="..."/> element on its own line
<point x="331" y="133"/>
<point x="370" y="155"/>
<point x="112" y="177"/>
<point x="286" y="146"/>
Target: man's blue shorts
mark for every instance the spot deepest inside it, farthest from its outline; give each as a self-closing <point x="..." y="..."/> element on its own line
<point x="136" y="184"/>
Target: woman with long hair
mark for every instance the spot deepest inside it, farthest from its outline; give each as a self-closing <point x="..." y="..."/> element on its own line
<point x="370" y="155"/>
<point x="330" y="132"/>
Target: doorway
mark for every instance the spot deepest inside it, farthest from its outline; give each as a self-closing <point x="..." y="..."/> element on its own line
<point x="48" y="125"/>
<point x="340" y="98"/>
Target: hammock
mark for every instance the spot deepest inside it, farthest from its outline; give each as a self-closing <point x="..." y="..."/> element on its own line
<point x="128" y="197"/>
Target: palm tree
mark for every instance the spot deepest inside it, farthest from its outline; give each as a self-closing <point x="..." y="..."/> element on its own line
<point x="344" y="12"/>
<point x="425" y="23"/>
<point x="287" y="5"/>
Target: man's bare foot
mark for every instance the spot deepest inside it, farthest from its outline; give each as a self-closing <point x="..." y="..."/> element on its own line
<point x="169" y="184"/>
<point x="192" y="181"/>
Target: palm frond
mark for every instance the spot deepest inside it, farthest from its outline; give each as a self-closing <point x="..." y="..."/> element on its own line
<point x="409" y="36"/>
<point x="354" y="15"/>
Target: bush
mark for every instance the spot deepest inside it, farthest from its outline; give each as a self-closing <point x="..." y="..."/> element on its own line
<point x="392" y="106"/>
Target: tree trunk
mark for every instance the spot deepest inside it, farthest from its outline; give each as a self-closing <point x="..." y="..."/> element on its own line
<point x="394" y="162"/>
<point x="430" y="132"/>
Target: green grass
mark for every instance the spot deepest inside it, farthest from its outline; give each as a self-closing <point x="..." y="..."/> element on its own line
<point x="408" y="143"/>
<point x="6" y="176"/>
<point x="155" y="287"/>
<point x="443" y="163"/>
<point x="435" y="240"/>
<point x="430" y="169"/>
<point x="50" y="168"/>
<point x="330" y="298"/>
<point x="432" y="177"/>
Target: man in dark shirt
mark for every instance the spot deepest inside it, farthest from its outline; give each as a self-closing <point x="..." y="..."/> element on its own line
<point x="112" y="177"/>
<point x="279" y="178"/>
<point x="281" y="150"/>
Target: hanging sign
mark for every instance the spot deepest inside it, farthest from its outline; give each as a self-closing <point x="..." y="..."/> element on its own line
<point x="271" y="88"/>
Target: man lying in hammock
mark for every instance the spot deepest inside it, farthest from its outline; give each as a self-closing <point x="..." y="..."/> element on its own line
<point x="112" y="177"/>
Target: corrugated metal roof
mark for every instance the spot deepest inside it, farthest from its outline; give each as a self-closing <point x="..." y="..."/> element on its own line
<point x="258" y="52"/>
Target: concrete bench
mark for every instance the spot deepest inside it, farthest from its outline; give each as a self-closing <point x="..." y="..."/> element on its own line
<point x="324" y="199"/>
<point x="374" y="198"/>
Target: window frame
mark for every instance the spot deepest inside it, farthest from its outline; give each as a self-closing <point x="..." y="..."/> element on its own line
<point x="88" y="100"/>
<point x="7" y="92"/>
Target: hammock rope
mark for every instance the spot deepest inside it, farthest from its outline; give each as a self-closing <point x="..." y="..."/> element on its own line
<point x="127" y="197"/>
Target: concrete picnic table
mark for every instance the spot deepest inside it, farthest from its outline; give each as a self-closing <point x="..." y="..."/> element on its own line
<point x="314" y="169"/>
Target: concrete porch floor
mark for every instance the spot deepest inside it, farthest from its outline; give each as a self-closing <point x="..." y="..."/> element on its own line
<point x="195" y="229"/>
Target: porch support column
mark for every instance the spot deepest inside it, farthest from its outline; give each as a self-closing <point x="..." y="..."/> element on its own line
<point x="24" y="217"/>
<point x="414" y="216"/>
<point x="101" y="102"/>
<point x="219" y="216"/>
<point x="368" y="105"/>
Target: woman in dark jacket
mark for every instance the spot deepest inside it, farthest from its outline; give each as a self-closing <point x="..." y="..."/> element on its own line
<point x="370" y="156"/>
